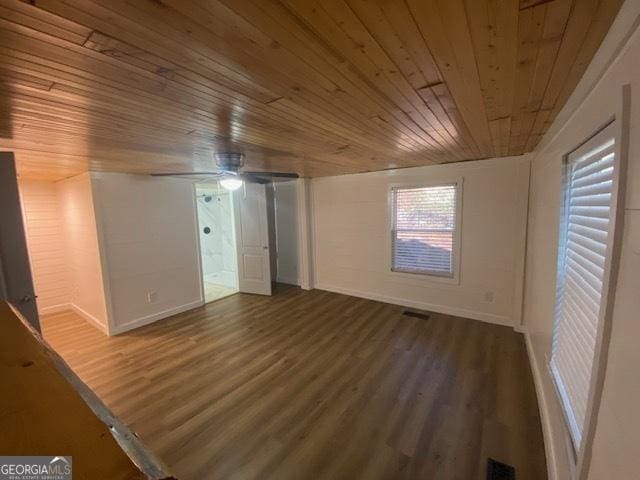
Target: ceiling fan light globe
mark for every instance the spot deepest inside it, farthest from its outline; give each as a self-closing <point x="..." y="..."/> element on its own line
<point x="231" y="184"/>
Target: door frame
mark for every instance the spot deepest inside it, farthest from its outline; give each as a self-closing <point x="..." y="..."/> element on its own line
<point x="195" y="187"/>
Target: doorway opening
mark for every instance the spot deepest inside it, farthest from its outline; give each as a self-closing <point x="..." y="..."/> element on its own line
<point x="218" y="254"/>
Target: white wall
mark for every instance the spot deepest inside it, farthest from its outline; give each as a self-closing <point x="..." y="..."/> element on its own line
<point x="286" y="222"/>
<point x="305" y="233"/>
<point x="352" y="239"/>
<point x="148" y="231"/>
<point x="87" y="292"/>
<point x="44" y="230"/>
<point x="615" y="449"/>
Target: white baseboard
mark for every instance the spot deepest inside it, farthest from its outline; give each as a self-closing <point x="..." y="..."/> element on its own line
<point x="520" y="328"/>
<point x="90" y="318"/>
<point x="65" y="307"/>
<point x="139" y="322"/>
<point x="458" y="312"/>
<point x="543" y="407"/>
<point x="61" y="307"/>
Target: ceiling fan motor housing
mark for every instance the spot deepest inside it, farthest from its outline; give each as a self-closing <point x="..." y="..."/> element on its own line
<point x="229" y="160"/>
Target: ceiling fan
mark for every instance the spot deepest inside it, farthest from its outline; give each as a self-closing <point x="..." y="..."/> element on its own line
<point x="228" y="171"/>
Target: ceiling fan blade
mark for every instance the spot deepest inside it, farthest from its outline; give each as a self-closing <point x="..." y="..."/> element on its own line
<point x="177" y="174"/>
<point x="274" y="174"/>
<point x="251" y="178"/>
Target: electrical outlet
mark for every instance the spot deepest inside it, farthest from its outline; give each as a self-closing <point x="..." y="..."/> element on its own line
<point x="488" y="297"/>
<point x="152" y="297"/>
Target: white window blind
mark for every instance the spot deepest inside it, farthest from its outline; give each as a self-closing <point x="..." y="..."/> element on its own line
<point x="584" y="237"/>
<point x="424" y="229"/>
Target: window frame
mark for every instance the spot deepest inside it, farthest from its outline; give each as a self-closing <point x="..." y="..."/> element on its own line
<point x="564" y="223"/>
<point x="580" y="455"/>
<point x="452" y="277"/>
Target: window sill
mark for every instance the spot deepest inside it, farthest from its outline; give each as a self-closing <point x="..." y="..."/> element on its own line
<point x="421" y="278"/>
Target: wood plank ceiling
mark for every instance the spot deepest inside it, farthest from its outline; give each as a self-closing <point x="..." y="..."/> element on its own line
<point x="317" y="87"/>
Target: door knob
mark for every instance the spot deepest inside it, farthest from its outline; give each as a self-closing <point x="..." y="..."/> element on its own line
<point x="26" y="299"/>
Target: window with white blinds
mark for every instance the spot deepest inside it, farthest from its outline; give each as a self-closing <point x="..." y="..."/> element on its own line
<point x="424" y="230"/>
<point x="585" y="231"/>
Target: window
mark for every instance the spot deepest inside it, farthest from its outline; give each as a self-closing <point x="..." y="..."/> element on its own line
<point x="586" y="229"/>
<point x="425" y="229"/>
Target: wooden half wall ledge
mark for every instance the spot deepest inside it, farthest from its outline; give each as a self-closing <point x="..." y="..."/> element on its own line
<point x="45" y="409"/>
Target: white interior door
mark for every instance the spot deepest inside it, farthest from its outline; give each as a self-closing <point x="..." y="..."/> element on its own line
<point x="16" y="285"/>
<point x="252" y="238"/>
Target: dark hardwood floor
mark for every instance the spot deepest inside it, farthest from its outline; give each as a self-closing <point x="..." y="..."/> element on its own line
<point x="312" y="384"/>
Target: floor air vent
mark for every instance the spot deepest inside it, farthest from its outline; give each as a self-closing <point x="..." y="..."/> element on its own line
<point x="500" y="471"/>
<point x="423" y="316"/>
